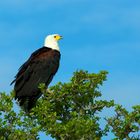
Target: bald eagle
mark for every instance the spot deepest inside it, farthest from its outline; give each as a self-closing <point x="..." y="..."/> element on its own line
<point x="39" y="68"/>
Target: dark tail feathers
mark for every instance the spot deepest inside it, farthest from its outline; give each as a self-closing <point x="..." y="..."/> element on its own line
<point x="27" y="103"/>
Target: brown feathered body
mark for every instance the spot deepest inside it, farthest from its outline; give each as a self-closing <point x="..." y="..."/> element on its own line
<point x="39" y="68"/>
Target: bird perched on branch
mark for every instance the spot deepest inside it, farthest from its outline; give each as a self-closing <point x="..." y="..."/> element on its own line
<point x="39" y="68"/>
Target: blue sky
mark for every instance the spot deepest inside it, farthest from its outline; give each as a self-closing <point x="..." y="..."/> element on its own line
<point x="98" y="35"/>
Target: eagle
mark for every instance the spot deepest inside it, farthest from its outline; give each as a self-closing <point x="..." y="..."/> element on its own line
<point x="41" y="67"/>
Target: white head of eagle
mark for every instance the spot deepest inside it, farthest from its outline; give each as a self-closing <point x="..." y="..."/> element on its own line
<point x="51" y="41"/>
<point x="39" y="68"/>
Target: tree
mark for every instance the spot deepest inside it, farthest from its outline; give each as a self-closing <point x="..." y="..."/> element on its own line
<point x="125" y="124"/>
<point x="68" y="111"/>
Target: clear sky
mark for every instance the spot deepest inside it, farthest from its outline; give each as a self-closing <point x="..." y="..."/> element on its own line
<point x="98" y="35"/>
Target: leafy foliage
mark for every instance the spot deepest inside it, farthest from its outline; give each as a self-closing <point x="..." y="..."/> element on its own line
<point x="68" y="111"/>
<point x="13" y="125"/>
<point x="125" y="124"/>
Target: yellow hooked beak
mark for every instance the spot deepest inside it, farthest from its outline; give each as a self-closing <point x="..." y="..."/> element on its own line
<point x="58" y="37"/>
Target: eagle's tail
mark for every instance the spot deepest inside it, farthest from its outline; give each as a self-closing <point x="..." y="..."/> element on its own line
<point x="27" y="104"/>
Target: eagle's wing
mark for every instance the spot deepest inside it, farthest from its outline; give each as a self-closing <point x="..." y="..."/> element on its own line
<point x="39" y="68"/>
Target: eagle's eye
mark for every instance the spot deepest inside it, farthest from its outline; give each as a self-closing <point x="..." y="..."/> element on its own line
<point x="55" y="36"/>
